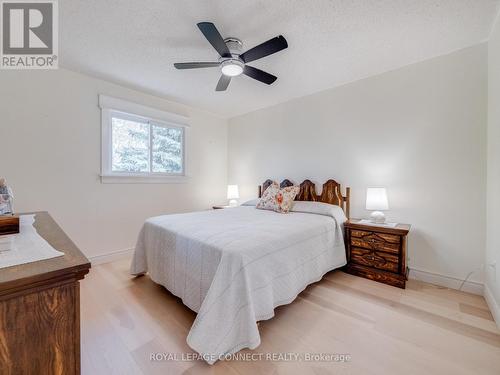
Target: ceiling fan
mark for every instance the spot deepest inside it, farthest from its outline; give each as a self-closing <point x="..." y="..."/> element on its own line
<point x="232" y="61"/>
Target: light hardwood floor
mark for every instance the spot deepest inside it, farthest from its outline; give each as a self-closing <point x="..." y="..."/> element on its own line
<point x="421" y="330"/>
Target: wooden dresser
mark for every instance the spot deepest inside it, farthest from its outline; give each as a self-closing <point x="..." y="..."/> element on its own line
<point x="377" y="252"/>
<point x="40" y="308"/>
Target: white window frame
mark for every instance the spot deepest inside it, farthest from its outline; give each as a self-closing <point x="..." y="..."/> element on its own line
<point x="113" y="107"/>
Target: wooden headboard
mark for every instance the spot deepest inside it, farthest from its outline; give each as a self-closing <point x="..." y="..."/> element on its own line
<point x="331" y="193"/>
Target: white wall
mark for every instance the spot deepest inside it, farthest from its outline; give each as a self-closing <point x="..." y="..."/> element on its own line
<point x="50" y="155"/>
<point x="420" y="131"/>
<point x="493" y="181"/>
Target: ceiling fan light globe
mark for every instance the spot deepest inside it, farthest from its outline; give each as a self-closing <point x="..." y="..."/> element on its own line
<point x="232" y="68"/>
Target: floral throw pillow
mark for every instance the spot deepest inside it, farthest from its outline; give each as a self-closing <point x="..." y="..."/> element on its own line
<point x="278" y="200"/>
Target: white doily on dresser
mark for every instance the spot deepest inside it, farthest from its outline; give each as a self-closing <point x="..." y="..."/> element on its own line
<point x="25" y="247"/>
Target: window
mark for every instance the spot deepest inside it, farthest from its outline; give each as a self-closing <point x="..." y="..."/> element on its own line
<point x="140" y="148"/>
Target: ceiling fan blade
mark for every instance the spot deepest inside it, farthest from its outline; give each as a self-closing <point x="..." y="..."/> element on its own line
<point x="259" y="75"/>
<point x="223" y="83"/>
<point x="195" y="65"/>
<point x="265" y="49"/>
<point x="212" y="34"/>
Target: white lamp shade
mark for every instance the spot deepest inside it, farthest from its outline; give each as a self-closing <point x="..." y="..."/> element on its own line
<point x="232" y="192"/>
<point x="376" y="199"/>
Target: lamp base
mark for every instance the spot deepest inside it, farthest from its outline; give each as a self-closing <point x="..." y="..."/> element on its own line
<point x="377" y="217"/>
<point x="233" y="203"/>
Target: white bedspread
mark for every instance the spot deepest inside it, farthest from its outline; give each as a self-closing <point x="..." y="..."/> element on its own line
<point x="234" y="266"/>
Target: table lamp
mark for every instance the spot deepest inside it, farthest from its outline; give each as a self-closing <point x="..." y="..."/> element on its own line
<point x="376" y="201"/>
<point x="233" y="195"/>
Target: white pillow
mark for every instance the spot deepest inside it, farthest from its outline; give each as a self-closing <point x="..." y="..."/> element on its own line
<point x="320" y="208"/>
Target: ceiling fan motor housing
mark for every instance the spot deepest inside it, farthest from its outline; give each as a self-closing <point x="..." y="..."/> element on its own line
<point x="235" y="45"/>
<point x="232" y="66"/>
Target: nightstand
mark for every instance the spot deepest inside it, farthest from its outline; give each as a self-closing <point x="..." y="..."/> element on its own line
<point x="377" y="252"/>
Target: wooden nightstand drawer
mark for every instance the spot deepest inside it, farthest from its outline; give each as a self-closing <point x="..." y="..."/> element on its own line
<point x="379" y="236"/>
<point x="377" y="259"/>
<point x="359" y="233"/>
<point x="372" y="241"/>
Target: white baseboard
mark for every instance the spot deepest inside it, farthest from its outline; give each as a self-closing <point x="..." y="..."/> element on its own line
<point x="492" y="304"/>
<point x="446" y="281"/>
<point x="111" y="256"/>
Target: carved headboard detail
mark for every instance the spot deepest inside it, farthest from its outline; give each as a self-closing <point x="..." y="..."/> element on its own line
<point x="331" y="193"/>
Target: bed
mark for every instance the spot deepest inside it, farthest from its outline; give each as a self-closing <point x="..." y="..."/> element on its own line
<point x="234" y="266"/>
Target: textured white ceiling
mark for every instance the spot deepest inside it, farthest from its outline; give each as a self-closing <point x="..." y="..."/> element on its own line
<point x="331" y="42"/>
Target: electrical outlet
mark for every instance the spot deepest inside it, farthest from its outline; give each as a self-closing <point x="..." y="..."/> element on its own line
<point x="493" y="266"/>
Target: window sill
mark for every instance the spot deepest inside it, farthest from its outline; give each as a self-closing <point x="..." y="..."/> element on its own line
<point x="142" y="179"/>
